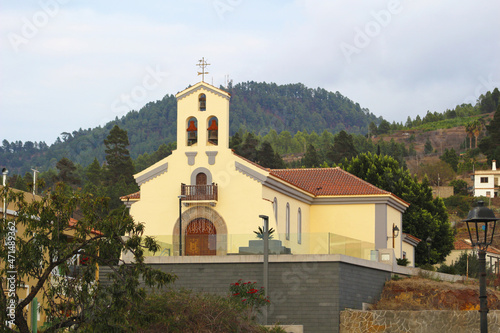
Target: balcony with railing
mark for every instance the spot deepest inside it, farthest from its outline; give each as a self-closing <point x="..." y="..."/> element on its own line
<point x="199" y="193"/>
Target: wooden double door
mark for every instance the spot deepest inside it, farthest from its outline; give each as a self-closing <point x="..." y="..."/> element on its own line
<point x="201" y="238"/>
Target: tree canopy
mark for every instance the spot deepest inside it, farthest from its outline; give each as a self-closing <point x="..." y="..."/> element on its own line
<point x="48" y="242"/>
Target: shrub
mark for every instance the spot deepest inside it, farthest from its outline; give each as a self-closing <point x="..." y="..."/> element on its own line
<point x="185" y="311"/>
<point x="246" y="294"/>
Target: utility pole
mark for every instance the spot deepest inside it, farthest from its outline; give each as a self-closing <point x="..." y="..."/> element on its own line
<point x="35" y="171"/>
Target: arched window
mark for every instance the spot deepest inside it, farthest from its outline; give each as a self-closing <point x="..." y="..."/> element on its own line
<point x="202" y="99"/>
<point x="192" y="131"/>
<point x="287" y="228"/>
<point x="275" y="209"/>
<point x="213" y="131"/>
<point x="299" y="226"/>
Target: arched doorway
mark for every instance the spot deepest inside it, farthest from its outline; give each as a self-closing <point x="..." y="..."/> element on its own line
<point x="201" y="238"/>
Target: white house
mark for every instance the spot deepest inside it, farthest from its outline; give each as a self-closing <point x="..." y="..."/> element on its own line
<point x="487" y="182"/>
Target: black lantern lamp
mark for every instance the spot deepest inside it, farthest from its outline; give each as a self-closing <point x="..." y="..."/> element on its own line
<point x="481" y="223"/>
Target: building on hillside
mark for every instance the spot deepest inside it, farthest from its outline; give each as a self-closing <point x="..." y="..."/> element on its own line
<point x="213" y="198"/>
<point x="487" y="182"/>
<point x="35" y="315"/>
<point x="463" y="245"/>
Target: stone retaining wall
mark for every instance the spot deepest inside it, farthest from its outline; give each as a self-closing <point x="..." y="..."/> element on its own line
<point x="355" y="321"/>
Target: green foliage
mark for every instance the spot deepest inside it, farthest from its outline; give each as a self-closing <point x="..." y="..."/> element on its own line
<point x="426" y="217"/>
<point x="490" y="145"/>
<point x="267" y="158"/>
<point x="467" y="264"/>
<point x="459" y="204"/>
<point x="343" y="148"/>
<point x="450" y="157"/>
<point x="260" y="233"/>
<point x="437" y="173"/>
<point x="402" y="261"/>
<point x="311" y="158"/>
<point x="51" y="242"/>
<point x="188" y="312"/>
<point x="428" y="147"/>
<point x="459" y="187"/>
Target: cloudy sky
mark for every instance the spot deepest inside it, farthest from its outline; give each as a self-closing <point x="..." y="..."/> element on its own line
<point x="68" y="64"/>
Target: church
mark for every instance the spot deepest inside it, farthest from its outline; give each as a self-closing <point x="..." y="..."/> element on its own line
<point x="205" y="200"/>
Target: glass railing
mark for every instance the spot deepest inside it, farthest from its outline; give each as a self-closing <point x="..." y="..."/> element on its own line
<point x="246" y="244"/>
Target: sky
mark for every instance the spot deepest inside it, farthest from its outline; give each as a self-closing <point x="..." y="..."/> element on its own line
<point x="68" y="64"/>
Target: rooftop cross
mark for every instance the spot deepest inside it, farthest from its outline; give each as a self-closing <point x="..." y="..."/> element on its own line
<point x="202" y="64"/>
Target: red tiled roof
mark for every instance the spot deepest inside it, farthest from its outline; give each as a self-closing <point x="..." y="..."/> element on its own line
<point x="73" y="222"/>
<point x="327" y="181"/>
<point x="418" y="240"/>
<point x="464" y="244"/>
<point x="132" y="196"/>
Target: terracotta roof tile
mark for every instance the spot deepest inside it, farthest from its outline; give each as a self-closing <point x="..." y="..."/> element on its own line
<point x="327" y="181"/>
<point x="418" y="240"/>
<point x="132" y="196"/>
<point x="465" y="244"/>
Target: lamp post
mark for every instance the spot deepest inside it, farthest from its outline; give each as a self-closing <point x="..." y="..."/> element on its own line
<point x="429" y="243"/>
<point x="395" y="233"/>
<point x="265" y="238"/>
<point x="481" y="220"/>
<point x="180" y="223"/>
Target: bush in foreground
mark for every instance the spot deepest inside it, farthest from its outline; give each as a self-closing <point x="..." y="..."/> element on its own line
<point x="185" y="311"/>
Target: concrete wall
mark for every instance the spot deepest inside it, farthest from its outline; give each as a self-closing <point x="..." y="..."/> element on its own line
<point x="416" y="321"/>
<point x="308" y="290"/>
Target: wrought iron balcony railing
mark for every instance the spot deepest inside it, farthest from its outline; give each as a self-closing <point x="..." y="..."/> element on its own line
<point x="199" y="192"/>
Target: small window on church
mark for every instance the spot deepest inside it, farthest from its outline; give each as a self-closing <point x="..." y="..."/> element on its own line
<point x="287" y="226"/>
<point x="192" y="131"/>
<point x="484" y="180"/>
<point x="203" y="102"/>
<point x="299" y="226"/>
<point x="275" y="209"/>
<point x="213" y="131"/>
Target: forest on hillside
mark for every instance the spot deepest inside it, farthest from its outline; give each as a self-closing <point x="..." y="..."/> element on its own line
<point x="378" y="161"/>
<point x="255" y="107"/>
<point x="289" y="116"/>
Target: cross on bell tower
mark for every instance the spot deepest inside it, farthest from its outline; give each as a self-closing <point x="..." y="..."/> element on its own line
<point x="202" y="64"/>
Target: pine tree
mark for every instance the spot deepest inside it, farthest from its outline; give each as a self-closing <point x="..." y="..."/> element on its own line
<point x="119" y="171"/>
<point x="343" y="148"/>
<point x="119" y="164"/>
<point x="67" y="172"/>
<point x="267" y="158"/>
<point x="311" y="158"/>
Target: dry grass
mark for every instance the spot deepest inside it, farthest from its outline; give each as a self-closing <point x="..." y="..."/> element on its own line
<point x="423" y="294"/>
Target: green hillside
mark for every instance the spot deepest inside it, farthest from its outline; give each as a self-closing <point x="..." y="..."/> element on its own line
<point x="255" y="107"/>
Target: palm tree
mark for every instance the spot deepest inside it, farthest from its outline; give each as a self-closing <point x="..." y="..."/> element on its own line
<point x="469" y="129"/>
<point x="478" y="128"/>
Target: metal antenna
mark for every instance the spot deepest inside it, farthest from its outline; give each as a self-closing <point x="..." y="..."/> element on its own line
<point x="202" y="64"/>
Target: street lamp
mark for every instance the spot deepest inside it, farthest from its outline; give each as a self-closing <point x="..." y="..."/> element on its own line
<point x="480" y="220"/>
<point x="180" y="223"/>
<point x="395" y="233"/>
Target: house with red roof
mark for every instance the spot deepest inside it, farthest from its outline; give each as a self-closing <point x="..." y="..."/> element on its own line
<point x="204" y="199"/>
<point x="463" y="245"/>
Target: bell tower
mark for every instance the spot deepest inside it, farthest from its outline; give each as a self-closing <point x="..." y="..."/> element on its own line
<point x="202" y="118"/>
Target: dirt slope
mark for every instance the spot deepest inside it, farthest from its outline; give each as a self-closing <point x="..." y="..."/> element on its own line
<point x="424" y="294"/>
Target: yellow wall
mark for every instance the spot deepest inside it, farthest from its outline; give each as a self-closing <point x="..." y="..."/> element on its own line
<point x="339" y="219"/>
<point x="395" y="217"/>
